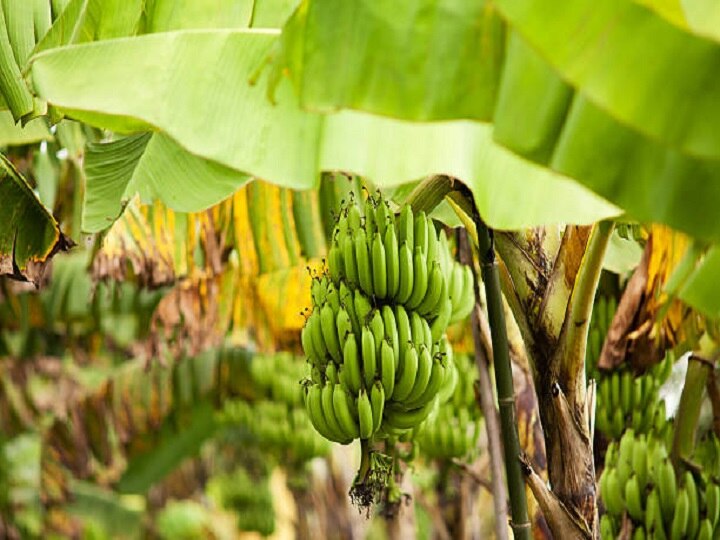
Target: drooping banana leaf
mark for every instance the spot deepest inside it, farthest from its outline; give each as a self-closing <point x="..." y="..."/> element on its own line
<point x="29" y="234"/>
<point x="283" y="144"/>
<point x="643" y="70"/>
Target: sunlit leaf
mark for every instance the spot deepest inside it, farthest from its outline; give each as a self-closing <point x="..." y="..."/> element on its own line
<point x="435" y="61"/>
<point x="167" y="15"/>
<point x="510" y="192"/>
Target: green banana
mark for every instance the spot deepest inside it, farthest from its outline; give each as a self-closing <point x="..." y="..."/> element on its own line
<point x="406" y="226"/>
<point x="680" y="517"/>
<point x="626" y="391"/>
<point x="365" y="415"/>
<point x="401" y="419"/>
<point x="441" y="321"/>
<point x="431" y="253"/>
<point x="377" y="327"/>
<point x="332" y="297"/>
<point x="331" y="373"/>
<point x="343" y="405"/>
<point x="406" y="272"/>
<point x="633" y="501"/>
<point x="349" y="263"/>
<point x="391" y="333"/>
<point x="693" y="506"/>
<point x="712" y="503"/>
<point x="667" y="487"/>
<point x="416" y="325"/>
<point x="387" y="369"/>
<point x="351" y="361"/>
<point x="328" y="410"/>
<point x="463" y="305"/>
<point x="421" y="232"/>
<point x="639" y="460"/>
<point x="347" y="300"/>
<point x="653" y="516"/>
<point x="344" y="326"/>
<point x="335" y="261"/>
<point x="315" y="328"/>
<point x="705" y="531"/>
<point x="377" y="402"/>
<point x="612" y="494"/>
<point x="420" y="279"/>
<point x="363" y="307"/>
<point x="404" y="384"/>
<point x="383" y="217"/>
<point x="329" y="331"/>
<point x="362" y="257"/>
<point x="435" y="289"/>
<point x="456" y="284"/>
<point x="392" y="258"/>
<point x="449" y="382"/>
<point x="370" y="225"/>
<point x="437" y="377"/>
<point x="379" y="267"/>
<point x="354" y="218"/>
<point x="607" y="531"/>
<point x="368" y="349"/>
<point x="404" y="334"/>
<point x="314" y="407"/>
<point x="422" y="378"/>
<point x="615" y="390"/>
<point x="307" y="344"/>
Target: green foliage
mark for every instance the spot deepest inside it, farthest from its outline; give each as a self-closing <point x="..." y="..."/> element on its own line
<point x="184" y="520"/>
<point x="249" y="497"/>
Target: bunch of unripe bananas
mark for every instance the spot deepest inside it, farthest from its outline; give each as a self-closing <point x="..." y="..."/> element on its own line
<point x="625" y="400"/>
<point x="276" y="427"/>
<point x="640" y="481"/>
<point x="275" y="419"/>
<point x="276" y="376"/>
<point x="454" y="431"/>
<point x="376" y="335"/>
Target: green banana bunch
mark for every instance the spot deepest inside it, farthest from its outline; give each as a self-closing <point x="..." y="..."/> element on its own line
<point x="640" y="481"/>
<point x="375" y="338"/>
<point x="454" y="431"/>
<point x="625" y="400"/>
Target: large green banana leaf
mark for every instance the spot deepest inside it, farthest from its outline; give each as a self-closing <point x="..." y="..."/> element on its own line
<point x="280" y="142"/>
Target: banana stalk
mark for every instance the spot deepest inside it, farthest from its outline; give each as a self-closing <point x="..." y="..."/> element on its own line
<point x="503" y="379"/>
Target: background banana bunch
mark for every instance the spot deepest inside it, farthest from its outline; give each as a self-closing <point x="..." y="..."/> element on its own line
<point x="639" y="480"/>
<point x="375" y="338"/>
<point x="624" y="399"/>
<point x="275" y="419"/>
<point x="454" y="431"/>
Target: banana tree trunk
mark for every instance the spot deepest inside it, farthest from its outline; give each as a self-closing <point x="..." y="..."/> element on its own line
<point x="550" y="289"/>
